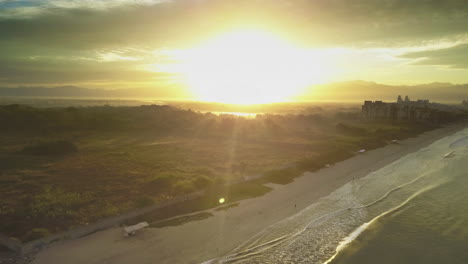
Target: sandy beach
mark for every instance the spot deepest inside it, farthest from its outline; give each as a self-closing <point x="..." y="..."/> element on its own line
<point x="216" y="236"/>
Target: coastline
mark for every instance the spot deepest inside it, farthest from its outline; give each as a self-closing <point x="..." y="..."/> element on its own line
<point x="198" y="241"/>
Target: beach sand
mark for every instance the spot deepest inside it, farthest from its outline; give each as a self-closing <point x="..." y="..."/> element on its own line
<point x="199" y="241"/>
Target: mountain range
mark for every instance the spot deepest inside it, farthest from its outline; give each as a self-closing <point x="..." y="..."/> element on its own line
<point x="341" y="91"/>
<point x="363" y="90"/>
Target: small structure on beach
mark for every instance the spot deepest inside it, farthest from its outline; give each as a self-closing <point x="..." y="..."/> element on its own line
<point x="449" y="155"/>
<point x="131" y="230"/>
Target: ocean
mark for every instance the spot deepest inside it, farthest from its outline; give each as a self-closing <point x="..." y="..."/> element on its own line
<point x="414" y="210"/>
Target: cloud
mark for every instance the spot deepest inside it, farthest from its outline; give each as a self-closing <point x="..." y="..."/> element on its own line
<point x="66" y="36"/>
<point x="454" y="57"/>
<point x="92" y="4"/>
<point x="102" y="66"/>
<point x="181" y="22"/>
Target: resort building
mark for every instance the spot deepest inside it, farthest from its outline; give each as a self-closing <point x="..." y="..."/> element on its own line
<point x="405" y="109"/>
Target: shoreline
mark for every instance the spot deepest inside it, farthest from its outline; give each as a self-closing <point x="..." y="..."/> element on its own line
<point x="199" y="241"/>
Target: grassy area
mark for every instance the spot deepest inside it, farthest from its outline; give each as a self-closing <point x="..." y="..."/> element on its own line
<point x="65" y="167"/>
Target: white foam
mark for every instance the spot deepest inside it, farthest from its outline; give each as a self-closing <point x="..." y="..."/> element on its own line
<point x="355" y="234"/>
<point x="462" y="142"/>
<point x="323" y="223"/>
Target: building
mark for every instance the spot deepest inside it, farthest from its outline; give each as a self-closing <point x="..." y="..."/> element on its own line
<point x="405" y="110"/>
<point x="464" y="104"/>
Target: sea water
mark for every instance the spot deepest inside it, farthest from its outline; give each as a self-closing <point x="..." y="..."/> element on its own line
<point x="414" y="210"/>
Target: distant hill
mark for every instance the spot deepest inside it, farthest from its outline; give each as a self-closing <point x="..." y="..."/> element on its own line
<point x="352" y="91"/>
<point x="363" y="90"/>
<point x="64" y="91"/>
<point x="79" y="92"/>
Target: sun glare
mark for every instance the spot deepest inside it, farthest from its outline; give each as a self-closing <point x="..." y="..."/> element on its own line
<point x="250" y="67"/>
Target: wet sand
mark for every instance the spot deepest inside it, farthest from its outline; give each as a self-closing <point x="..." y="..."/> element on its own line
<point x="216" y="236"/>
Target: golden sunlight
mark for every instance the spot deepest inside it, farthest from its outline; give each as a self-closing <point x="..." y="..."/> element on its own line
<point x="251" y="67"/>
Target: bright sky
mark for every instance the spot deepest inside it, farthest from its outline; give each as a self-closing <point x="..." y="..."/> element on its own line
<point x="231" y="51"/>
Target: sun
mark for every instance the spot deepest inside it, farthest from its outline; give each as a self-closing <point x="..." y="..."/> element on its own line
<point x="249" y="67"/>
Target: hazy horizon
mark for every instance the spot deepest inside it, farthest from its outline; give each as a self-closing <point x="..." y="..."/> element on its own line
<point x="351" y="91"/>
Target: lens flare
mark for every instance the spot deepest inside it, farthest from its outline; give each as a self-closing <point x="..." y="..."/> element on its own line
<point x="251" y="67"/>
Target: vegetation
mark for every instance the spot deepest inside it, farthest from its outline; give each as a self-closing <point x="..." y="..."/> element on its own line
<point x="36" y="233"/>
<point x="227" y="207"/>
<point x="58" y="147"/>
<point x="131" y="157"/>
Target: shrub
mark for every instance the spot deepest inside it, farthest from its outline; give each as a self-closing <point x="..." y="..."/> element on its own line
<point x="52" y="148"/>
<point x="350" y="130"/>
<point x="282" y="176"/>
<point x="144" y="201"/>
<point x="162" y="182"/>
<point x="182" y="187"/>
<point x="202" y="182"/>
<point x="372" y="143"/>
<point x="56" y="203"/>
<point x="329" y="157"/>
<point x="36" y="233"/>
